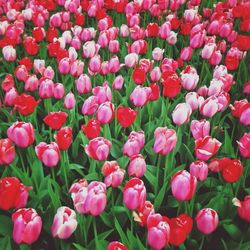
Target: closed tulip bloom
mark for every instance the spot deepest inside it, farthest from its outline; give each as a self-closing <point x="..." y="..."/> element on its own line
<point x="206" y="147"/>
<point x="126" y="116"/>
<point x="208" y="50"/>
<point x="49" y="154"/>
<point x="90" y="106"/>
<point x="105" y="112"/>
<point x="92" y="129"/>
<point x="199" y="169"/>
<point x="90" y="49"/>
<point x="210" y="107"/>
<point x="46" y="89"/>
<point x="114" y="64"/>
<point x="27" y="226"/>
<point x="69" y="101"/>
<point x="58" y="91"/>
<point x="158" y="231"/>
<point x="98" y="148"/>
<point x="8" y="82"/>
<point x="134" y="144"/>
<point x="157" y="54"/>
<point x="83" y="84"/>
<point x="245" y="114"/>
<point x="243" y="207"/>
<point x="113" y="174"/>
<point x="13" y="193"/>
<point x="21" y="73"/>
<point x="64" y="223"/>
<point x="189" y="78"/>
<point x="200" y="128"/>
<point x="9" y="53"/>
<point x="115" y="245"/>
<point x="183" y="185"/>
<point x="10" y="96"/>
<point x="207" y="220"/>
<point x="7" y="152"/>
<point x="165" y="140"/>
<point x="89" y="199"/>
<point x="21" y="133"/>
<point x="64" y="66"/>
<point x="118" y="83"/>
<point x="140" y="96"/>
<point x="114" y="46"/>
<point x="181" y="113"/>
<point x="131" y="60"/>
<point x="137" y="166"/>
<point x="102" y="93"/>
<point x="134" y="194"/>
<point x="95" y="64"/>
<point x="76" y="68"/>
<point x="49" y="73"/>
<point x="55" y="120"/>
<point x="64" y="138"/>
<point x="186" y="53"/>
<point x="244" y="145"/>
<point x="232" y="169"/>
<point x="155" y="74"/>
<point x="31" y="83"/>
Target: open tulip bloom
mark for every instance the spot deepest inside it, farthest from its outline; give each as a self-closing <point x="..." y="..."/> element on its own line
<point x="124" y="124"/>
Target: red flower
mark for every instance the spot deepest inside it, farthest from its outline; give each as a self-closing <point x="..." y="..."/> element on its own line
<point x="54" y="48"/>
<point x="27" y="62"/>
<point x="152" y="30"/>
<point x="231" y="169"/>
<point x="7" y="152"/>
<point x="64" y="138"/>
<point x="25" y="104"/>
<point x="175" y="23"/>
<point x="115" y="245"/>
<point x="155" y="94"/>
<point x="243" y="42"/>
<point x="139" y="76"/>
<point x="79" y="19"/>
<point x="231" y="62"/>
<point x="92" y="129"/>
<point x="171" y="85"/>
<point x="125" y="116"/>
<point x="38" y="33"/>
<point x="51" y="34"/>
<point x="55" y="120"/>
<point x="8" y="82"/>
<point x="185" y="29"/>
<point x="30" y="45"/>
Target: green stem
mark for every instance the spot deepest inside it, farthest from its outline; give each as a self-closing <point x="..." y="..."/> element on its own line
<point x="65" y="167"/>
<point x="202" y="242"/>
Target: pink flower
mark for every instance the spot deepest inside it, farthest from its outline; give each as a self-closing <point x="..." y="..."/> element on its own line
<point x="98" y="148"/>
<point x="114" y="46"/>
<point x="134" y="194"/>
<point x="206" y="147"/>
<point x="105" y="112"/>
<point x="27" y="225"/>
<point x="58" y="91"/>
<point x="69" y="101"/>
<point x="210" y="107"/>
<point x="140" y="96"/>
<point x="181" y="113"/>
<point x="9" y="53"/>
<point x="49" y="154"/>
<point x="89" y="199"/>
<point x="64" y="66"/>
<point x="244" y="145"/>
<point x="200" y="128"/>
<point x="165" y="140"/>
<point x="207" y="220"/>
<point x="64" y="223"/>
<point x="90" y="106"/>
<point x="95" y="64"/>
<point x="118" y="83"/>
<point x="131" y="60"/>
<point x="186" y="53"/>
<point x="208" y="50"/>
<point x="183" y="185"/>
<point x="102" y="93"/>
<point x="155" y="74"/>
<point x="199" y="169"/>
<point x="21" y="133"/>
<point x="134" y="144"/>
<point x="76" y="68"/>
<point x="7" y="151"/>
<point x="137" y="166"/>
<point x="113" y="174"/>
<point x="114" y="64"/>
<point x="90" y="49"/>
<point x="10" y="96"/>
<point x="189" y="78"/>
<point x="83" y="84"/>
<point x="194" y="100"/>
<point x="46" y="89"/>
<point x="157" y="54"/>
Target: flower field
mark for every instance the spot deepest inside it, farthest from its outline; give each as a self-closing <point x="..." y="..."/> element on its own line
<point x="124" y="125"/>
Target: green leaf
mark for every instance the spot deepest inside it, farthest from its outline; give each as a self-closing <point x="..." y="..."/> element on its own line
<point x="79" y="247"/>
<point x="7" y="228"/>
<point x="121" y="233"/>
<point x="233" y="231"/>
<point x="159" y="198"/>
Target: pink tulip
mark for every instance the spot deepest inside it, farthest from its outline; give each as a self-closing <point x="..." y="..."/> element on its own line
<point x="46" y="89"/>
<point x="31" y="83"/>
<point x="95" y="64"/>
<point x="64" y="66"/>
<point x="21" y="133"/>
<point x="58" y="91"/>
<point x="243" y="207"/>
<point x="216" y="58"/>
<point x="155" y="74"/>
<point x="157" y="54"/>
<point x="186" y="53"/>
<point x="200" y="128"/>
<point x="114" y="46"/>
<point x="105" y="112"/>
<point x="118" y="83"/>
<point x="83" y="84"/>
<point x="49" y="154"/>
<point x="98" y="148"/>
<point x="137" y="166"/>
<point x="124" y="30"/>
<point x="164" y="30"/>
<point x="49" y="73"/>
<point x="102" y="93"/>
<point x="39" y="66"/>
<point x="64" y="223"/>
<point x="7" y="152"/>
<point x="208" y="50"/>
<point x="244" y="145"/>
<point x="199" y="169"/>
<point x="140" y="96"/>
<point x="209" y="107"/>
<point x="131" y="60"/>
<point x="189" y="78"/>
<point x="103" y="39"/>
<point x="158" y="231"/>
<point x="114" y="64"/>
<point x="113" y="174"/>
<point x="55" y="20"/>
<point x="90" y="49"/>
<point x="21" y="73"/>
<point x="206" y="147"/>
<point x="76" y="68"/>
<point x="134" y="144"/>
<point x="9" y="53"/>
<point x="27" y="225"/>
<point x="90" y="106"/>
<point x="207" y="220"/>
<point x="10" y="96"/>
<point x="193" y="99"/>
<point x="89" y="199"/>
<point x="69" y="101"/>
<point x="134" y="194"/>
<point x="181" y="113"/>
<point x="165" y="140"/>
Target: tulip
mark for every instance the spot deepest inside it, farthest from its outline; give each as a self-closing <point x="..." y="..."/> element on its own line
<point x="244" y="113"/>
<point x="95" y="64"/>
<point x="9" y="53"/>
<point x="231" y="169"/>
<point x="206" y="147"/>
<point x="64" y="223"/>
<point x="10" y="96"/>
<point x="21" y="73"/>
<point x="76" y="68"/>
<point x="31" y="83"/>
<point x="21" y="133"/>
<point x="49" y="154"/>
<point x="105" y="112"/>
<point x="58" y="91"/>
<point x="244" y="145"/>
<point x="208" y="50"/>
<point x="55" y="120"/>
<point x="89" y="106"/>
<point x="189" y="78"/>
<point x="199" y="169"/>
<point x="118" y="83"/>
<point x="209" y="107"/>
<point x="49" y="73"/>
<point x="171" y="85"/>
<point x="113" y="174"/>
<point x="186" y="53"/>
<point x="134" y="144"/>
<point x="64" y="138"/>
<point x="114" y="46"/>
<point x="207" y="220"/>
<point x="13" y="193"/>
<point x="131" y="60"/>
<point x="155" y="74"/>
<point x="134" y="194"/>
<point x="27" y="225"/>
<point x="181" y="113"/>
<point x="25" y="104"/>
<point x="137" y="166"/>
<point x="102" y="93"/>
<point x="193" y="99"/>
<point x="69" y="101"/>
<point x="64" y="66"/>
<point x="140" y="96"/>
<point x="7" y="152"/>
<point x="158" y="231"/>
<point x="200" y="128"/>
<point x="183" y="185"/>
<point x="8" y="82"/>
<point x="126" y="116"/>
<point x="98" y="148"/>
<point x="165" y="140"/>
<point x="39" y="66"/>
<point x="90" y="49"/>
<point x="113" y="64"/>
<point x="157" y="54"/>
<point x="115" y="245"/>
<point x="89" y="199"/>
<point x="46" y="89"/>
<point x="83" y="84"/>
<point x="243" y="207"/>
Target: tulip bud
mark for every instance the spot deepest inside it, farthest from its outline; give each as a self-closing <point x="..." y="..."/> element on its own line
<point x="181" y="113"/>
<point x="199" y="169"/>
<point x="200" y="128"/>
<point x="137" y="166"/>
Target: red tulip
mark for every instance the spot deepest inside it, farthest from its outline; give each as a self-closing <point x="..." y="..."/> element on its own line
<point x="64" y="138"/>
<point x="55" y="120"/>
<point x="171" y="85"/>
<point x="7" y="152"/>
<point x="115" y="245"/>
<point x="231" y="169"/>
<point x="243" y="207"/>
<point x="139" y="76"/>
<point x="25" y="104"/>
<point x="126" y="116"/>
<point x="92" y="129"/>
